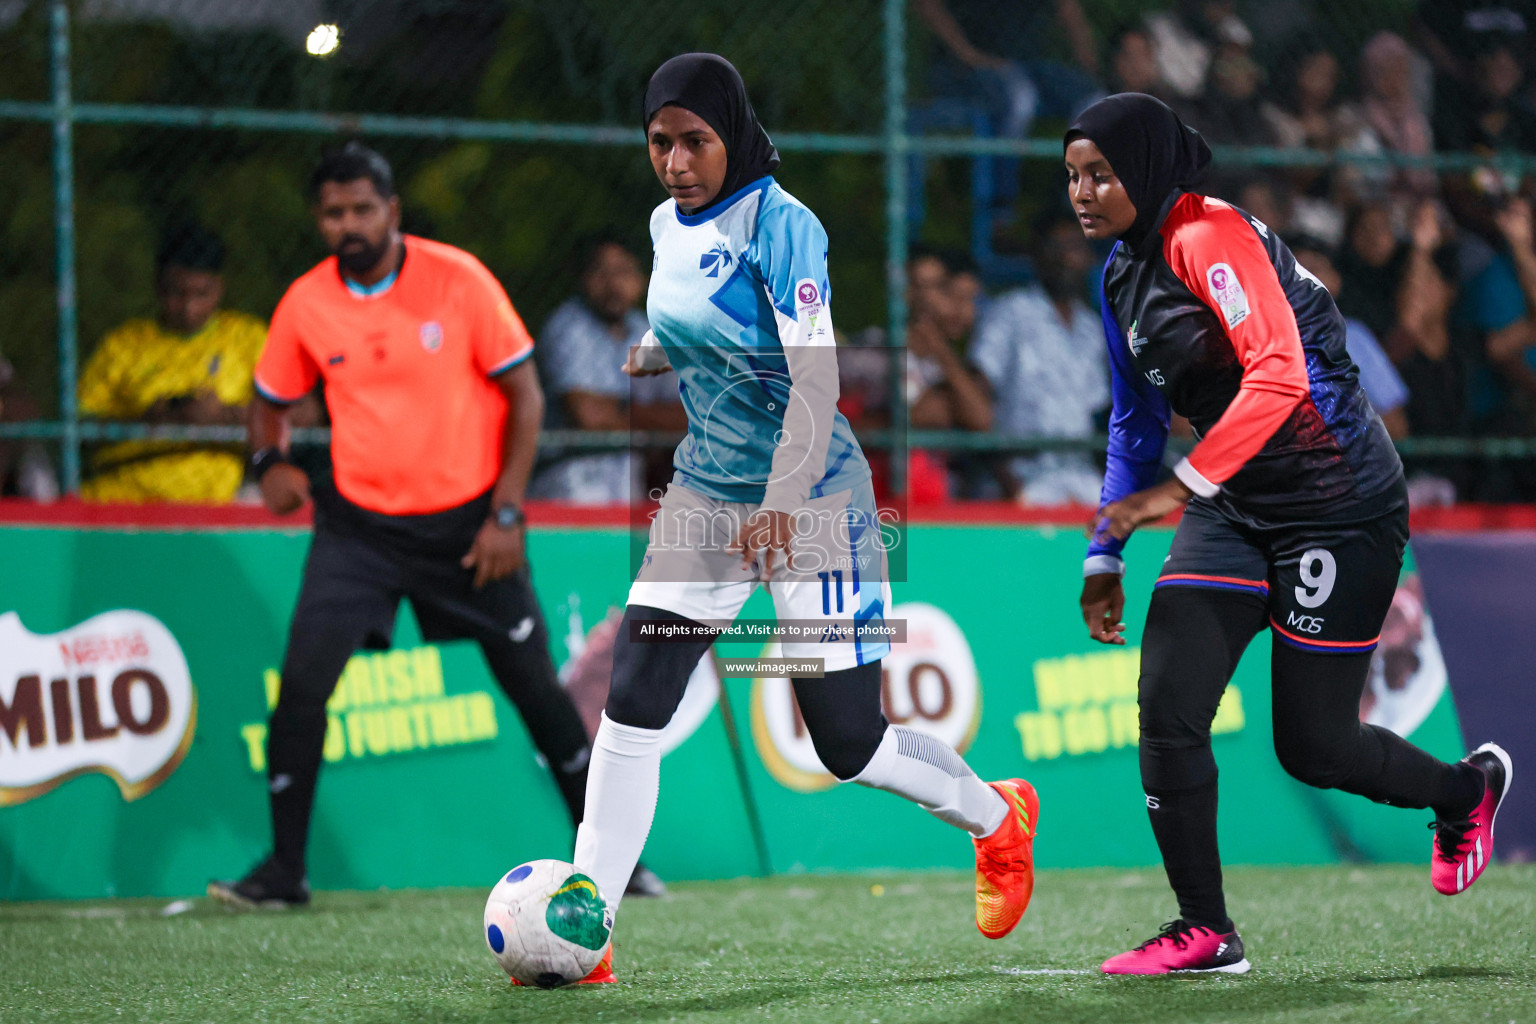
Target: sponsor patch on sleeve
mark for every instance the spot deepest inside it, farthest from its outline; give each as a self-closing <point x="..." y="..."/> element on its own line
<point x="1227" y="294"/>
<point x="810" y="302"/>
<point x="807" y="296"/>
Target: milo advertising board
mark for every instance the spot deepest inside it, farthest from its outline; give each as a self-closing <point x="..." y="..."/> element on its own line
<point x="137" y="670"/>
<point x="110" y="695"/>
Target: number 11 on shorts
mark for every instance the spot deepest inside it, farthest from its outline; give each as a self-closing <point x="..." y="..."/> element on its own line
<point x="827" y="582"/>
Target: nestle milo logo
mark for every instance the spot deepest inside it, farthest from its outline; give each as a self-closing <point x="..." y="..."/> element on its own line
<point x="111" y="695"/>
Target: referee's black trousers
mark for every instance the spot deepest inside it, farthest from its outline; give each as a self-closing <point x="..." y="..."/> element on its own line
<point x="359" y="567"/>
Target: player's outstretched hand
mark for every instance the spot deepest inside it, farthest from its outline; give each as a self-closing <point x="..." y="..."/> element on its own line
<point x="284" y="489"/>
<point x="767" y="531"/>
<point x="496" y="553"/>
<point x="1103" y="602"/>
<point x="1119" y="519"/>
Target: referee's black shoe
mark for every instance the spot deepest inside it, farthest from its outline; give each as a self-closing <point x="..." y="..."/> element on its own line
<point x="269" y="886"/>
<point x="645" y="882"/>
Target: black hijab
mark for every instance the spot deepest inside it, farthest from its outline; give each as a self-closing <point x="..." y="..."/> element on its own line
<point x="709" y="86"/>
<point x="1153" y="153"/>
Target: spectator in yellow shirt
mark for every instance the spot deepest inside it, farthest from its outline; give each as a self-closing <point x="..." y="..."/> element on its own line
<point x="191" y="365"/>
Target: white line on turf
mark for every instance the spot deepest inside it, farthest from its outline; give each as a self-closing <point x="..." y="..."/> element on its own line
<point x="1022" y="970"/>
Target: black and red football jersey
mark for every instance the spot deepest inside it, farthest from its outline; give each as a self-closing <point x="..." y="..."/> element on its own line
<point x="1211" y="317"/>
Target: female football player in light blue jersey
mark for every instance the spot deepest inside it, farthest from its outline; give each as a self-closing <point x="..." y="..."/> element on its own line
<point x="770" y="488"/>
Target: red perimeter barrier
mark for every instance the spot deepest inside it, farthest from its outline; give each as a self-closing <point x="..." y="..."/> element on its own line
<point x="75" y="514"/>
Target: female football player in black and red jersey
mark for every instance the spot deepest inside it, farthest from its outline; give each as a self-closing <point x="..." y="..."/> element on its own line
<point x="1296" y="517"/>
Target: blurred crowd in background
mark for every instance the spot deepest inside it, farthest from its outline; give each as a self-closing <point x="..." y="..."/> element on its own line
<point x="1435" y="273"/>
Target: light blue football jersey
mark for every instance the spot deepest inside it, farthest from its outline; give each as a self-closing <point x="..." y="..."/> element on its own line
<point x="739" y="301"/>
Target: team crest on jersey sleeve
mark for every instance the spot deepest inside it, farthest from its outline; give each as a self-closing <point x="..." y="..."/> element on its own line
<point x="1227" y="294"/>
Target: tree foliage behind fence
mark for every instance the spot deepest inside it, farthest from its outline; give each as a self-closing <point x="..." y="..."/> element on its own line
<point x="148" y="79"/>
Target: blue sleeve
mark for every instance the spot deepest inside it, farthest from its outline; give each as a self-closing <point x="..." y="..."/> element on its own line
<point x="1138" y="429"/>
<point x="792" y="250"/>
<point x="1492" y="300"/>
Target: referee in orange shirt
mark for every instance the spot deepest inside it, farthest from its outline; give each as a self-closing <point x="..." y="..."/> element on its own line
<point x="435" y="410"/>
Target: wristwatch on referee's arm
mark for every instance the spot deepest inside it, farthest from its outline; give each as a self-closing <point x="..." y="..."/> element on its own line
<point x="508" y="516"/>
<point x="264" y="459"/>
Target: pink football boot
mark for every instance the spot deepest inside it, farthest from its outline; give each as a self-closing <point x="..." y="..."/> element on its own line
<point x="1463" y="848"/>
<point x="1182" y="948"/>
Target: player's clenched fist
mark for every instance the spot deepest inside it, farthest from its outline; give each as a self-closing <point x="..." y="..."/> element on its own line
<point x="284" y="489"/>
<point x="1103" y="602"/>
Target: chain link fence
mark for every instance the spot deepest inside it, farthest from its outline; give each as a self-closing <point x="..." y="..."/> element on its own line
<point x="513" y="128"/>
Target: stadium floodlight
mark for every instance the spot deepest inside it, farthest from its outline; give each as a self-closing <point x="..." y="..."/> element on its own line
<point x="323" y="40"/>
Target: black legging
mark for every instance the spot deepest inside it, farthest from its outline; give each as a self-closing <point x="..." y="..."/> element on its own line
<point x="841" y="710"/>
<point x="1193" y="641"/>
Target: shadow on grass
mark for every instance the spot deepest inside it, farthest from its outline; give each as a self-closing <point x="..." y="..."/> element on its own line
<point x="580" y="1003"/>
<point x="1158" y="1000"/>
<point x="1124" y="1001"/>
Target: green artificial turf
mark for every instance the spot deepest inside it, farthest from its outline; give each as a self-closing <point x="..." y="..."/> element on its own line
<point x="1328" y="944"/>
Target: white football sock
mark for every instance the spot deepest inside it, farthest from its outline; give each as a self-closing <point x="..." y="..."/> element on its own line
<point x="622" y="785"/>
<point x="928" y="772"/>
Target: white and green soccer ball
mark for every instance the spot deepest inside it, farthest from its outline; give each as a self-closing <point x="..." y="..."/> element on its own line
<point x="546" y="924"/>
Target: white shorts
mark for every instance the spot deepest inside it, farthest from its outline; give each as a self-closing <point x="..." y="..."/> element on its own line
<point x="839" y="572"/>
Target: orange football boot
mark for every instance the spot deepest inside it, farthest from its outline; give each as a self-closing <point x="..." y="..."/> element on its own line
<point x="602" y="974"/>
<point x="1005" y="861"/>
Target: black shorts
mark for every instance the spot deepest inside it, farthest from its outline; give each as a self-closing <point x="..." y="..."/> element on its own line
<point x="1328" y="584"/>
<point x="361" y="563"/>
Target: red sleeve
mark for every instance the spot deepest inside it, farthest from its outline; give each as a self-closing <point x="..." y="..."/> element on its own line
<point x="285" y="372"/>
<point x="1218" y="255"/>
<point x="501" y="341"/>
